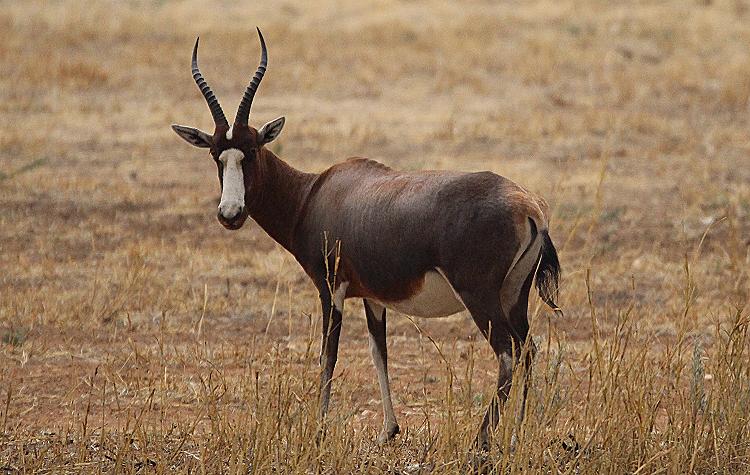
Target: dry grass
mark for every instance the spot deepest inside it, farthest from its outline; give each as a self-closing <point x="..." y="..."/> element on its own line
<point x="139" y="336"/>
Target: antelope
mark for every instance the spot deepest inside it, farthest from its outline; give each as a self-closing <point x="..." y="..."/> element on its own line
<point x="424" y="243"/>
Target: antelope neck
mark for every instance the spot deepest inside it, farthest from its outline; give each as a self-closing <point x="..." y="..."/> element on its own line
<point x="278" y="194"/>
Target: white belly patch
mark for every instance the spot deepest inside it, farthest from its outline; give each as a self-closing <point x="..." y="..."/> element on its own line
<point x="436" y="298"/>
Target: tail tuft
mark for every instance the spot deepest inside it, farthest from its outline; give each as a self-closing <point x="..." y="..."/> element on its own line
<point x="548" y="274"/>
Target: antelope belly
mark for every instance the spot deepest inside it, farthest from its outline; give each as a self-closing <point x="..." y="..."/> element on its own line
<point x="436" y="298"/>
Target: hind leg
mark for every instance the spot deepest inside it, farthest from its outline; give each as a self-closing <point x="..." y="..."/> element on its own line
<point x="518" y="318"/>
<point x="488" y="315"/>
<point x="514" y="299"/>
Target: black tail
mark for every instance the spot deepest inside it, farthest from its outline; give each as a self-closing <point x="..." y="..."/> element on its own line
<point x="548" y="274"/>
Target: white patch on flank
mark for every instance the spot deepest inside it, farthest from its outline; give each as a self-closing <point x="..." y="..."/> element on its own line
<point x="436" y="298"/>
<point x="229" y="134"/>
<point x="233" y="192"/>
<point x="523" y="265"/>
<point x="339" y="295"/>
<point x="521" y="249"/>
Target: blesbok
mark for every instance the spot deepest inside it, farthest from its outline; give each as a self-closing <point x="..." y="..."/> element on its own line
<point x="427" y="243"/>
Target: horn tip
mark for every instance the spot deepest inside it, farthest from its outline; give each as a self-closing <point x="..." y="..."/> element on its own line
<point x="195" y="49"/>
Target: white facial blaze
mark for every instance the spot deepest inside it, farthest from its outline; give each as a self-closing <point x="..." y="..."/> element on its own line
<point x="233" y="192"/>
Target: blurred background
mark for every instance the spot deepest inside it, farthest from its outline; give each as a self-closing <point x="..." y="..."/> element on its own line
<point x="630" y="118"/>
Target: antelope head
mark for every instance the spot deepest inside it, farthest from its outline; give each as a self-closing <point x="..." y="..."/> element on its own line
<point x="235" y="149"/>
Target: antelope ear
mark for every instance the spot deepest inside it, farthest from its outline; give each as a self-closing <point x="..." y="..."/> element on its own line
<point x="193" y="136"/>
<point x="270" y="131"/>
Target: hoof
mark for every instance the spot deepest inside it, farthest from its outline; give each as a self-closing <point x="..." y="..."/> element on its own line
<point x="479" y="463"/>
<point x="388" y="434"/>
<point x="482" y="443"/>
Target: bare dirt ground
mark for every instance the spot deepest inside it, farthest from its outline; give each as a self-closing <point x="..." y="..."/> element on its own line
<point x="140" y="336"/>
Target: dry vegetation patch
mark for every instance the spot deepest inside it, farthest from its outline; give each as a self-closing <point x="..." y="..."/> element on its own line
<point x="136" y="335"/>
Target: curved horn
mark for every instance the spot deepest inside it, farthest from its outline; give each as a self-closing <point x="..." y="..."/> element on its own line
<point x="208" y="94"/>
<point x="243" y="112"/>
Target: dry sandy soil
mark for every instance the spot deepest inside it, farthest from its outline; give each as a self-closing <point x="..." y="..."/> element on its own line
<point x="140" y="336"/>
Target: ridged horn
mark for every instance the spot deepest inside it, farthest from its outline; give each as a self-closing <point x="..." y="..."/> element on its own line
<point x="208" y="94"/>
<point x="243" y="112"/>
